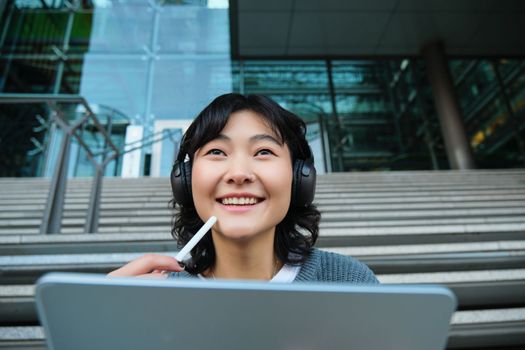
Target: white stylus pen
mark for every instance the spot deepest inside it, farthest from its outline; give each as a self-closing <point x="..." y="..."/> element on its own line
<point x="195" y="239"/>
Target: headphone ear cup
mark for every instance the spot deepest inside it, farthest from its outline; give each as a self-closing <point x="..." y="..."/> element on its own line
<point x="296" y="180"/>
<point x="181" y="183"/>
<point x="303" y="183"/>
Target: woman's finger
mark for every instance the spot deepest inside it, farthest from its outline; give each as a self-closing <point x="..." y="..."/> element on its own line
<point x="146" y="264"/>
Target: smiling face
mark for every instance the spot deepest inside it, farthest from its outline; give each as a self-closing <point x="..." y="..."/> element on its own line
<point x="244" y="177"/>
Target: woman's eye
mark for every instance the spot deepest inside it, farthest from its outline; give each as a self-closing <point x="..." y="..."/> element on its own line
<point x="264" y="152"/>
<point x="215" y="152"/>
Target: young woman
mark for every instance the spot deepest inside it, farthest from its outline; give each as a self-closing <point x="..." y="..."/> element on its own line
<point x="246" y="161"/>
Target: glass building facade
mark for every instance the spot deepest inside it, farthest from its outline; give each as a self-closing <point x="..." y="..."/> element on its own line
<point x="147" y="67"/>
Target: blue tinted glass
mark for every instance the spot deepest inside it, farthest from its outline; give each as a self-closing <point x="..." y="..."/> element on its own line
<point x="300" y="86"/>
<point x="270" y="77"/>
<point x="115" y="82"/>
<point x="170" y="148"/>
<point x="183" y="87"/>
<point x="191" y="29"/>
<point x="353" y="74"/>
<point x="122" y="27"/>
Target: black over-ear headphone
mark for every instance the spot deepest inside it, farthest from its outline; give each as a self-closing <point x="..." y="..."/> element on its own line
<point x="303" y="183"/>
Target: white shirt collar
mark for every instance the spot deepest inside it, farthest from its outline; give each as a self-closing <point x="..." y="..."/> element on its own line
<point x="286" y="274"/>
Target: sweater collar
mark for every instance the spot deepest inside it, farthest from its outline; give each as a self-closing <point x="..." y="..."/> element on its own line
<point x="308" y="270"/>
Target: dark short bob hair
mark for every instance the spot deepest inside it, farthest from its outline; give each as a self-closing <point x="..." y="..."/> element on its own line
<point x="298" y="231"/>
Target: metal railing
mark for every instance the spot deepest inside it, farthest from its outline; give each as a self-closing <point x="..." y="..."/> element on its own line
<point x="52" y="218"/>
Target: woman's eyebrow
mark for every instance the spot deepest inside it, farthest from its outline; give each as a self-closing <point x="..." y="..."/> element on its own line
<point x="253" y="139"/>
<point x="265" y="137"/>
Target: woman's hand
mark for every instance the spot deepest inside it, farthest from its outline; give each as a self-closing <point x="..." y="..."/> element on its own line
<point x="149" y="266"/>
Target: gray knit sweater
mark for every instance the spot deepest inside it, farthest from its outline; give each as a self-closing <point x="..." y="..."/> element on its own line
<point x="321" y="266"/>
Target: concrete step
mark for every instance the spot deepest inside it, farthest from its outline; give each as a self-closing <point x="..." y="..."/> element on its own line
<point x="358" y="189"/>
<point x="429" y="222"/>
<point x="159" y="202"/>
<point x="85" y="243"/>
<point x="28" y="268"/>
<point x="59" y="244"/>
<point x="325" y="199"/>
<point x="156" y="210"/>
<point x="76" y="226"/>
<point x="384" y="212"/>
<point x="329" y="237"/>
<point x="338" y="214"/>
<point x="321" y="191"/>
<point x="488" y="329"/>
<point x="383" y="259"/>
<point x="354" y="224"/>
<point x="387" y="176"/>
<point x="420" y="234"/>
<point x="409" y="177"/>
<point x="22" y="338"/>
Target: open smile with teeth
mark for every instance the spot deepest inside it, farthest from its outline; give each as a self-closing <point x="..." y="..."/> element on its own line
<point x="240" y="201"/>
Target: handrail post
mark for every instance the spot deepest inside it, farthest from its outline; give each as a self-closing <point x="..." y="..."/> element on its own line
<point x="92" y="217"/>
<point x="93" y="213"/>
<point x="52" y="220"/>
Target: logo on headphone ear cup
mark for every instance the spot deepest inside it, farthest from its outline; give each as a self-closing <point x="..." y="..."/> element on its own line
<point x="181" y="183"/>
<point x="303" y="183"/>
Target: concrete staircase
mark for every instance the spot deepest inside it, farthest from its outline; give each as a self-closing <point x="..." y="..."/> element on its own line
<point x="463" y="229"/>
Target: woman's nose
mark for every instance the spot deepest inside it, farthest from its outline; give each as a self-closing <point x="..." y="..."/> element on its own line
<point x="239" y="173"/>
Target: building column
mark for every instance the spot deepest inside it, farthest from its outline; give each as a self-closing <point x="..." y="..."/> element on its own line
<point x="458" y="148"/>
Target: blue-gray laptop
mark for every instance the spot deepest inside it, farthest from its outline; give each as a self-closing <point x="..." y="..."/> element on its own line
<point x="83" y="311"/>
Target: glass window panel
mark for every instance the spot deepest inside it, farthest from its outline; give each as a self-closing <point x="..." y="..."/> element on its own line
<point x="310" y="107"/>
<point x="35" y="32"/>
<point x="192" y="29"/>
<point x="359" y="91"/>
<point x="508" y="66"/>
<point x="355" y="74"/>
<point x="275" y="77"/>
<point x="236" y="77"/>
<point x="459" y="67"/>
<point x="170" y="149"/>
<point x="401" y="83"/>
<point x="516" y="92"/>
<point x="361" y="104"/>
<point x="71" y="76"/>
<point x="365" y="133"/>
<point x="300" y="86"/>
<point x="496" y="142"/>
<point x="487" y="122"/>
<point x="182" y="87"/>
<point x="81" y="165"/>
<point x="474" y="84"/>
<point x="122" y="27"/>
<point x="360" y="147"/>
<point x="28" y="75"/>
<point x="81" y="32"/>
<point x="361" y="138"/>
<point x="116" y="82"/>
<point x="23" y="139"/>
